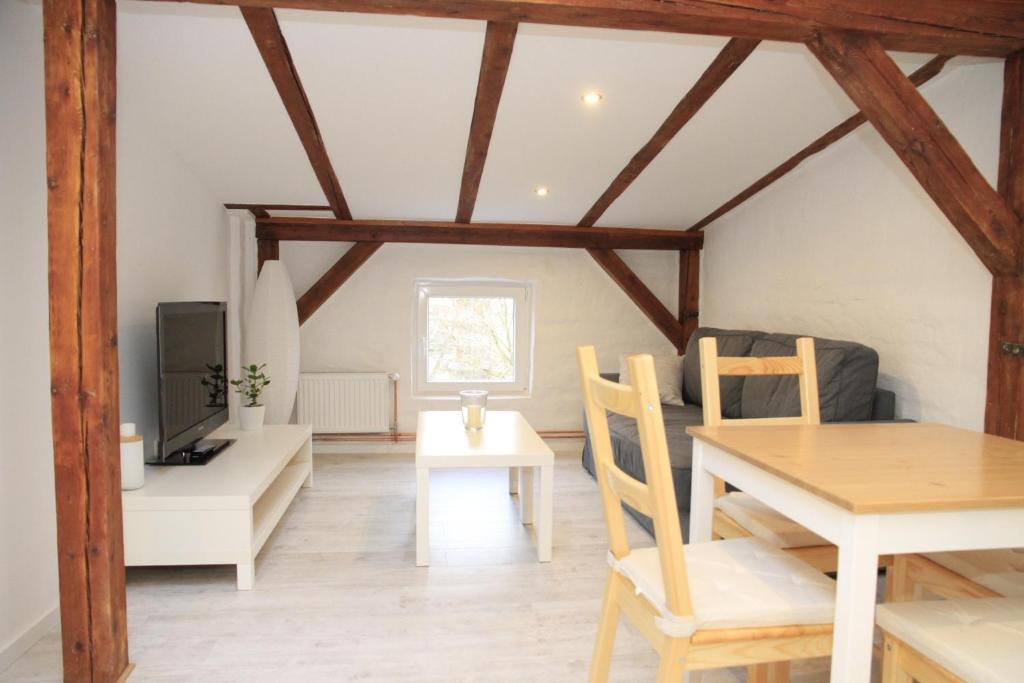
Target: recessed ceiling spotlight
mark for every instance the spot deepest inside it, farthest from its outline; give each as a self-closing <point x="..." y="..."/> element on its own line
<point x="542" y="191"/>
<point x="592" y="99"/>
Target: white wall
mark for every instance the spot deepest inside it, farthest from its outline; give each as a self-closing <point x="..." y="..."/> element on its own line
<point x="28" y="568"/>
<point x="368" y="324"/>
<point x="172" y="245"/>
<point x="850" y="247"/>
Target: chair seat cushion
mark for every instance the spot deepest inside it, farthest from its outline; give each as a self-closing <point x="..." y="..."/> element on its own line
<point x="999" y="570"/>
<point x="980" y="640"/>
<point x="738" y="583"/>
<point x="764" y="522"/>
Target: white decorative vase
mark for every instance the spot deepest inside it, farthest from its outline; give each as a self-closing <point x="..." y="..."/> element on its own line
<point x="251" y="417"/>
<point x="272" y="337"/>
<point x="133" y="471"/>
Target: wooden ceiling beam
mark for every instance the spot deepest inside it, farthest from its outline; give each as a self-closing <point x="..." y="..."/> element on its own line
<point x="495" y="234"/>
<point x="497" y="54"/>
<point x="724" y="65"/>
<point x="918" y="78"/>
<point x="640" y="295"/>
<point x="334" y="278"/>
<point x="270" y="41"/>
<point x="907" y="122"/>
<point x="990" y="28"/>
<point x="260" y="210"/>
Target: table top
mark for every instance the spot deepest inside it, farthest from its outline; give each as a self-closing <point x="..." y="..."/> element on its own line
<point x="235" y="477"/>
<point x="884" y="467"/>
<point x="507" y="440"/>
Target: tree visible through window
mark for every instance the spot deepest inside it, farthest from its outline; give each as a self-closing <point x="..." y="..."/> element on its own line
<point x="471" y="339"/>
<point x="473" y="334"/>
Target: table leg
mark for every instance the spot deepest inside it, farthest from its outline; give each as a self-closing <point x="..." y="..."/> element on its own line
<point x="855" y="600"/>
<point x="246" y="575"/>
<point x="702" y="497"/>
<point x="526" y="498"/>
<point x="422" y="516"/>
<point x="513" y="480"/>
<point x="547" y="483"/>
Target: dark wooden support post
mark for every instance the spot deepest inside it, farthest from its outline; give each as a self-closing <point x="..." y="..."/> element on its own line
<point x="266" y="250"/>
<point x="689" y="292"/>
<point x="80" y="48"/>
<point x="1004" y="405"/>
<point x="639" y="293"/>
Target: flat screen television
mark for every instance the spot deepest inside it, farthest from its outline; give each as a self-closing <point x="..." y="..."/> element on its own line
<point x="193" y="386"/>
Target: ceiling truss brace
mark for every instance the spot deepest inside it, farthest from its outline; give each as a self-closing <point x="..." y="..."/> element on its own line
<point x="927" y="72"/>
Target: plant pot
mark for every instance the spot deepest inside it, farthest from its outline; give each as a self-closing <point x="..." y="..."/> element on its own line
<point x="251" y="417"/>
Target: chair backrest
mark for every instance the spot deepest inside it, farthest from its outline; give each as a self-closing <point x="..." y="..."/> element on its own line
<point x="655" y="498"/>
<point x="713" y="367"/>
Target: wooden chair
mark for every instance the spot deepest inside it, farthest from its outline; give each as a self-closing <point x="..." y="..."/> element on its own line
<point x="965" y="574"/>
<point x="738" y="602"/>
<point x="737" y="514"/>
<point x="953" y="641"/>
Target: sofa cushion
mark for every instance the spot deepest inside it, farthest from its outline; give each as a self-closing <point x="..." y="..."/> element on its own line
<point x="730" y="343"/>
<point x="847" y="374"/>
<point x="626" y="438"/>
<point x="668" y="373"/>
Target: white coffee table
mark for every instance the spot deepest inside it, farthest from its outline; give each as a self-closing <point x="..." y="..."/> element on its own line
<point x="506" y="440"/>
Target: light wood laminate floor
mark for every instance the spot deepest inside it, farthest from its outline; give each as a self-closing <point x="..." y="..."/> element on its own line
<point x="338" y="597"/>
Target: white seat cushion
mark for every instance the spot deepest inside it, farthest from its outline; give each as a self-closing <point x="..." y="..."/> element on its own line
<point x="979" y="640"/>
<point x="738" y="583"/>
<point x="764" y="522"/>
<point x="999" y="570"/>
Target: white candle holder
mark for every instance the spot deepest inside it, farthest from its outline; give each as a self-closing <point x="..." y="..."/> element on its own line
<point x="474" y="408"/>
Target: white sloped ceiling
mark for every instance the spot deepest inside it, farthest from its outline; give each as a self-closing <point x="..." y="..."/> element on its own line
<point x="393" y="97"/>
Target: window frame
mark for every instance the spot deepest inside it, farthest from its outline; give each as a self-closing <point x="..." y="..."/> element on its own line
<point x="523" y="318"/>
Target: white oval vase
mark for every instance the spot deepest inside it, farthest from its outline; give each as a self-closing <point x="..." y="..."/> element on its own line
<point x="272" y="337"/>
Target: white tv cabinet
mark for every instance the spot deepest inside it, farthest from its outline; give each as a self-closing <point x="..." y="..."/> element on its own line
<point x="221" y="512"/>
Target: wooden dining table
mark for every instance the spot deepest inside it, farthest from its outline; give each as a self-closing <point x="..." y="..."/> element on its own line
<point x="871" y="489"/>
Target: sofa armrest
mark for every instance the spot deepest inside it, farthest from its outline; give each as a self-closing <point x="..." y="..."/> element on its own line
<point x="883" y="407"/>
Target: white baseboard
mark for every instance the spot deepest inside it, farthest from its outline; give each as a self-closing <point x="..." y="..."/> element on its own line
<point x="10" y="652"/>
<point x="363" y="447"/>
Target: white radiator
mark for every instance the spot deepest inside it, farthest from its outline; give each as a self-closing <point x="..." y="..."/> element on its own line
<point x="346" y="402"/>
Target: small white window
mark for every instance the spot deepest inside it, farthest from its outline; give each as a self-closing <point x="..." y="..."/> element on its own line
<point x="473" y="334"/>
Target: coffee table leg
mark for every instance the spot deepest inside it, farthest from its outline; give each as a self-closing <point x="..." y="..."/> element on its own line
<point x="422" y="516"/>
<point x="246" y="574"/>
<point x="547" y="476"/>
<point x="526" y="498"/>
<point x="513" y="480"/>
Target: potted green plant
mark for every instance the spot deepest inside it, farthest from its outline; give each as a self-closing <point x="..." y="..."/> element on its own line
<point x="251" y="386"/>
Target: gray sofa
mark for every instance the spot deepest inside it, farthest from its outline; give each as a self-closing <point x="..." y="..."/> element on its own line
<point x="847" y="377"/>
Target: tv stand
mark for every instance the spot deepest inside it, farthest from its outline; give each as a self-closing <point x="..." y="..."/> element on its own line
<point x="222" y="513"/>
